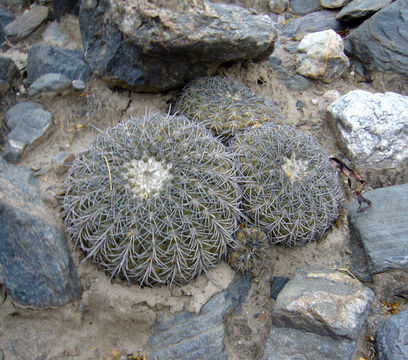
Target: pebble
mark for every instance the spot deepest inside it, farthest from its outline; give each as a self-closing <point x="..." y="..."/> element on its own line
<point x="278" y="6"/>
<point x="331" y="95"/>
<point x="61" y="162"/>
<point x="333" y="4"/>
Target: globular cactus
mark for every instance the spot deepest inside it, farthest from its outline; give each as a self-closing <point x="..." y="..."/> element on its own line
<point x="290" y="189"/>
<point x="154" y="200"/>
<point x="225" y="106"/>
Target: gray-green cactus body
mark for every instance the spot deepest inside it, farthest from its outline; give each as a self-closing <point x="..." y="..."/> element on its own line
<point x="290" y="189"/>
<point x="225" y="106"/>
<point x="153" y="200"/>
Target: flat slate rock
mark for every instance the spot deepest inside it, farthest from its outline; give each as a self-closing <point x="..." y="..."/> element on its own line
<point x="189" y="336"/>
<point x="294" y="344"/>
<point x="325" y="302"/>
<point x="380" y="43"/>
<point x="50" y="83"/>
<point x="44" y="59"/>
<point x="383" y="228"/>
<point x="358" y="9"/>
<point x="391" y="338"/>
<point x="6" y="17"/>
<point x="303" y="7"/>
<point x="26" y="23"/>
<point x="35" y="263"/>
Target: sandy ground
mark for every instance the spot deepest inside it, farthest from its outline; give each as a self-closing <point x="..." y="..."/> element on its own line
<point x="114" y="318"/>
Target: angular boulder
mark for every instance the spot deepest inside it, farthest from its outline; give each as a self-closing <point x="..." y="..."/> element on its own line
<point x="380" y="42"/>
<point x="372" y="128"/>
<point x="35" y="264"/>
<point x="157" y="45"/>
<point x="360" y="9"/>
<point x="324" y="58"/>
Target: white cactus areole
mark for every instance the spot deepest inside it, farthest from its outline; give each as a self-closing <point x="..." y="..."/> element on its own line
<point x="154" y="200"/>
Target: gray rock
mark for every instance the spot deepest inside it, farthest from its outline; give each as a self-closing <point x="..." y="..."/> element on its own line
<point x="277" y="284"/>
<point x="29" y="127"/>
<point x="303" y="7"/>
<point x="297" y="28"/>
<point x="188" y="336"/>
<point x="278" y="6"/>
<point x="44" y="59"/>
<point x="323" y="301"/>
<point x="333" y="4"/>
<point x="62" y="7"/>
<point x="359" y="9"/>
<point x="324" y="58"/>
<point x="35" y="264"/>
<point x="380" y="42"/>
<point x="292" y="81"/>
<point x="6" y="17"/>
<point x="197" y="39"/>
<point x="293" y="344"/>
<point x="26" y="23"/>
<point x="50" y="83"/>
<point x="392" y="338"/>
<point x="62" y="161"/>
<point x="383" y="228"/>
<point x="53" y="36"/>
<point x="14" y="5"/>
<point x="8" y="70"/>
<point x="372" y="128"/>
<point x="14" y="115"/>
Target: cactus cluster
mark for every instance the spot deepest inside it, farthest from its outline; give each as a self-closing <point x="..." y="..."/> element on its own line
<point x="290" y="189"/>
<point x="225" y="106"/>
<point x="154" y="200"/>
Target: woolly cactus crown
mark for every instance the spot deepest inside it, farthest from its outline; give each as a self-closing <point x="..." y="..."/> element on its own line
<point x="290" y="189"/>
<point x="225" y="106"/>
<point x="153" y="200"/>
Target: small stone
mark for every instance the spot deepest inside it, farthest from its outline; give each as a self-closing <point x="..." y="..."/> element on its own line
<point x="314" y="101"/>
<point x="16" y="113"/>
<point x="78" y="85"/>
<point x="372" y="128"/>
<point x="303" y="7"/>
<point x="26" y="23"/>
<point x="358" y="9"/>
<point x="324" y="58"/>
<point x="53" y="36"/>
<point x="333" y="4"/>
<point x="277" y="284"/>
<point x="300" y="105"/>
<point x="323" y="301"/>
<point x="278" y="6"/>
<point x="50" y="83"/>
<point x="382" y="229"/>
<point x="61" y="162"/>
<point x="331" y="95"/>
<point x="391" y="338"/>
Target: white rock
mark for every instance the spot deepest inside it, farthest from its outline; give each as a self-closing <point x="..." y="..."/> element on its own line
<point x="278" y="6"/>
<point x="372" y="128"/>
<point x="324" y="58"/>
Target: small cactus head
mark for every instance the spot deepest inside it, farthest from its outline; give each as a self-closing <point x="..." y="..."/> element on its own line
<point x="225" y="106"/>
<point x="290" y="188"/>
<point x="153" y="200"/>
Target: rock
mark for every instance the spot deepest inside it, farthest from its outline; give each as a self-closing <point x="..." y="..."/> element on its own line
<point x="6" y="17"/>
<point x="383" y="228"/>
<point x="331" y="95"/>
<point x="53" y="36"/>
<point x="26" y="23"/>
<point x="14" y="5"/>
<point x="303" y="7"/>
<point x="297" y="28"/>
<point x="44" y="59"/>
<point x="380" y="42"/>
<point x="333" y="4"/>
<point x="293" y="344"/>
<point x="50" y="83"/>
<point x="325" y="302"/>
<point x="29" y="126"/>
<point x="324" y="59"/>
<point x="62" y="161"/>
<point x="188" y="336"/>
<point x="360" y="9"/>
<point x="197" y="39"/>
<point x="35" y="264"/>
<point x="371" y="128"/>
<point x="62" y="7"/>
<point x="277" y="284"/>
<point x="16" y="112"/>
<point x="8" y="70"/>
<point x="78" y="85"/>
<point x="278" y="6"/>
<point x="392" y="338"/>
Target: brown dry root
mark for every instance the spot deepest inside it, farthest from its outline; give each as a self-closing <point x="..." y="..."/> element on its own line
<point x="290" y="189"/>
<point x="154" y="200"/>
<point x="225" y="106"/>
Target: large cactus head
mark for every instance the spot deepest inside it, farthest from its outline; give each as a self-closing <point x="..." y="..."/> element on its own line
<point x="225" y="106"/>
<point x="290" y="189"/>
<point x="153" y="200"/>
